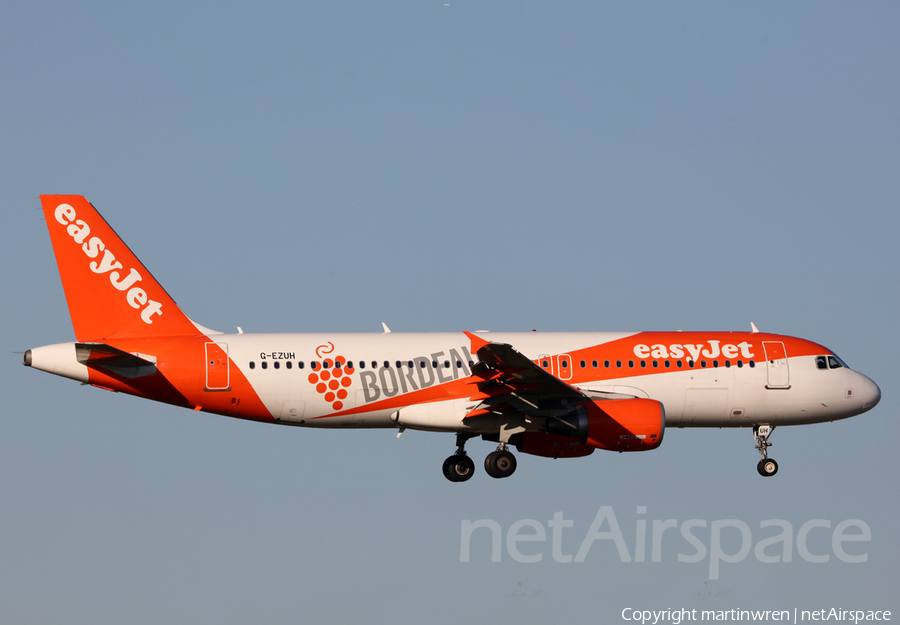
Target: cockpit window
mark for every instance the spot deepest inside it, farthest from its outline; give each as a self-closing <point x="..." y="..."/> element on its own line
<point x="829" y="362"/>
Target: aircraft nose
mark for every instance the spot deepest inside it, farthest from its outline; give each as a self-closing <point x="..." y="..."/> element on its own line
<point x="871" y="395"/>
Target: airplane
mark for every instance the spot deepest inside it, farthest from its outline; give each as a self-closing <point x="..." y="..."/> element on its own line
<point x="550" y="394"/>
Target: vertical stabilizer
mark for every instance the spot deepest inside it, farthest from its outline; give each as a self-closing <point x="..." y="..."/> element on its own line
<point x="109" y="291"/>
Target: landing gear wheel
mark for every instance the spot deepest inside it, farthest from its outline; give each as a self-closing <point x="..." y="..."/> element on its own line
<point x="767" y="467"/>
<point x="500" y="463"/>
<point x="458" y="468"/>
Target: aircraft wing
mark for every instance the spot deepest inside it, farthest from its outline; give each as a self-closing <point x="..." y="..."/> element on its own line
<point x="507" y="380"/>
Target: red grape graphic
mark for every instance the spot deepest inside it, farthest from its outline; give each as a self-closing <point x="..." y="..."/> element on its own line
<point x="333" y="378"/>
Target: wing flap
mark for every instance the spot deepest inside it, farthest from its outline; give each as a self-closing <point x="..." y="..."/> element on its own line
<point x="505" y="377"/>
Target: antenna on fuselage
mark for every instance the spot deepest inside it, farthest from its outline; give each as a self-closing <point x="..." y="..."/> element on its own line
<point x="387" y="330"/>
<point x="753" y="328"/>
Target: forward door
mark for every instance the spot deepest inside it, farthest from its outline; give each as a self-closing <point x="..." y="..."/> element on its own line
<point x="776" y="365"/>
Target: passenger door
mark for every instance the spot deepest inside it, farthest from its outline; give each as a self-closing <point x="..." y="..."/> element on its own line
<point x="776" y="365"/>
<point x="217" y="374"/>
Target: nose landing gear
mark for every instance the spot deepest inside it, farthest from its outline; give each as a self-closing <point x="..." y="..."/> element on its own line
<point x="766" y="466"/>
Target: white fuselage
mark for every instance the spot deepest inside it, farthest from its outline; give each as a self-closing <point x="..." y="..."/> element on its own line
<point x="693" y="397"/>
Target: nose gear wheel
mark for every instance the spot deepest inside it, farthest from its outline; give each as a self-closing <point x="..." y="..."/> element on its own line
<point x="766" y="466"/>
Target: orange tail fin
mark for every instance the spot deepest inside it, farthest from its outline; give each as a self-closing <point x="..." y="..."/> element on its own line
<point x="109" y="292"/>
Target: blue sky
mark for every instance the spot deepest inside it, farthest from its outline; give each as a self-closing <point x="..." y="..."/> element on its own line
<point x="504" y="166"/>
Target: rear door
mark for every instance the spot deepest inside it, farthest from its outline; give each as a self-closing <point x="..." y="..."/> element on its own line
<point x="217" y="372"/>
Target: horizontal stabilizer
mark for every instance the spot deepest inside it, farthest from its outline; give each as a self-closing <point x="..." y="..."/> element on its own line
<point x="108" y="358"/>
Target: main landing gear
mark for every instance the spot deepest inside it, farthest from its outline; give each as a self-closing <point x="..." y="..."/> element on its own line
<point x="459" y="467"/>
<point x="500" y="463"/>
<point x="766" y="467"/>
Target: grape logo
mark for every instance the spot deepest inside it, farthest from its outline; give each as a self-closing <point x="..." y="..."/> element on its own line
<point x="333" y="378"/>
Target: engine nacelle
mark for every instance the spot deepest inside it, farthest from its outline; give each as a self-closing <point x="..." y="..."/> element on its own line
<point x="552" y="445"/>
<point x="614" y="424"/>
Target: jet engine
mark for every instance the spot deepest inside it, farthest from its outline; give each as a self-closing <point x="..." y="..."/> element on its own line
<point x="613" y="424"/>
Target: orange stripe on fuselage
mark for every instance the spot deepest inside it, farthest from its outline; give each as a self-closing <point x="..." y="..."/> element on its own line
<point x="181" y="378"/>
<point x="708" y="346"/>
<point x="675" y="346"/>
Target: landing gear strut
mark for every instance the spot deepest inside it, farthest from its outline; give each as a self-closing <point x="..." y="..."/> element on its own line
<point x="500" y="463"/>
<point x="459" y="467"/>
<point x="766" y="467"/>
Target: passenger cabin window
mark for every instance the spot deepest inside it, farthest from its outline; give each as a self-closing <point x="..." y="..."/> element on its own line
<point x="821" y="362"/>
<point x="545" y="363"/>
